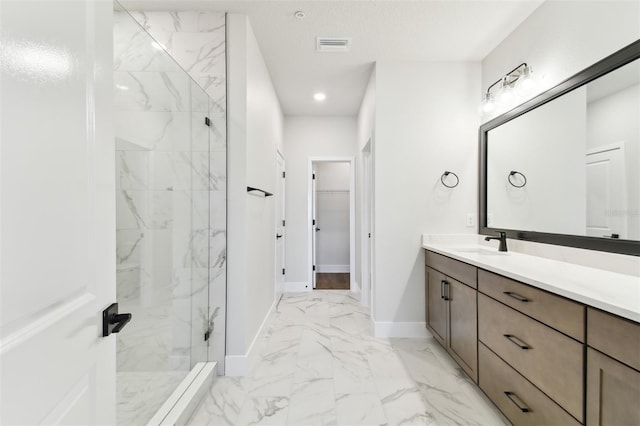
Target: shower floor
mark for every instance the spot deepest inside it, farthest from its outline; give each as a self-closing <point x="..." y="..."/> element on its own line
<point x="141" y="393"/>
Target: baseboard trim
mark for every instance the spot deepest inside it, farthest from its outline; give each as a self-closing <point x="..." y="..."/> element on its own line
<point x="236" y="365"/>
<point x="333" y="269"/>
<point x="400" y="329"/>
<point x="297" y="287"/>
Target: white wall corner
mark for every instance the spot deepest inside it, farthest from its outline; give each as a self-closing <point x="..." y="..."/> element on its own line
<point x="297" y="287"/>
<point x="236" y="365"/>
<point x="400" y="329"/>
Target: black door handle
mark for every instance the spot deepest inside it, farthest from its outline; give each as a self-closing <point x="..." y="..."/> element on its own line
<point x="112" y="321"/>
<point x="317" y="229"/>
<point x="278" y="236"/>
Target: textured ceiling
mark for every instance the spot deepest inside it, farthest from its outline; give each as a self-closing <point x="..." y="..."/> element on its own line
<point x="428" y="30"/>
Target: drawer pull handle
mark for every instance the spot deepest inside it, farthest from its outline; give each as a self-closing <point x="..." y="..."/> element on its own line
<point x="445" y="290"/>
<point x="442" y="289"/>
<point x="513" y="397"/>
<point x="513" y="339"/>
<point x="516" y="296"/>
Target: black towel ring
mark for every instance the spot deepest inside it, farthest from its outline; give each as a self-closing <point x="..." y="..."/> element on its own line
<point x="447" y="173"/>
<point x="512" y="173"/>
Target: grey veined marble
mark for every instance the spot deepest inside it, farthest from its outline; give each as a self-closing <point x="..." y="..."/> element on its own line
<point x="317" y="363"/>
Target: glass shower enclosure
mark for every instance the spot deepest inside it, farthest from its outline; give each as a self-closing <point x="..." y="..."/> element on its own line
<point x="169" y="253"/>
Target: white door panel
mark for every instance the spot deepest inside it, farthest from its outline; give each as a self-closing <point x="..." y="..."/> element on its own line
<point x="606" y="191"/>
<point x="280" y="228"/>
<point x="58" y="213"/>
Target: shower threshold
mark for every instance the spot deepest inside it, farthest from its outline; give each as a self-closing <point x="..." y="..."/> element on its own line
<point x="177" y="409"/>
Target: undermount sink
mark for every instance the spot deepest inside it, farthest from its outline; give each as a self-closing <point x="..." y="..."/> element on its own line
<point x="479" y="250"/>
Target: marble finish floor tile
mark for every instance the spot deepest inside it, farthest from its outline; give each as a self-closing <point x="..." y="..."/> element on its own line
<point x="317" y="362"/>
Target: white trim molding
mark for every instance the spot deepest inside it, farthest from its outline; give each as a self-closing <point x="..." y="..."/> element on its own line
<point x="352" y="211"/>
<point x="236" y="365"/>
<point x="400" y="329"/>
<point x="333" y="269"/>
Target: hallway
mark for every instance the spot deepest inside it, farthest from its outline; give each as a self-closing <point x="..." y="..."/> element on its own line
<point x="318" y="363"/>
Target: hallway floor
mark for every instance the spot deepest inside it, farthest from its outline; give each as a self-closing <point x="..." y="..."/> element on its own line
<point x="317" y="363"/>
<point x="332" y="281"/>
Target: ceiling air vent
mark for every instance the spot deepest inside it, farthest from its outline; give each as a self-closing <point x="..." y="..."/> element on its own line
<point x="333" y="44"/>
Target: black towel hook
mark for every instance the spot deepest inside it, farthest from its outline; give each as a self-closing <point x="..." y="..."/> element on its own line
<point x="513" y="173"/>
<point x="447" y="173"/>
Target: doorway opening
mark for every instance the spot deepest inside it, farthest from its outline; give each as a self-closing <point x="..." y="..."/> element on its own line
<point x="332" y="220"/>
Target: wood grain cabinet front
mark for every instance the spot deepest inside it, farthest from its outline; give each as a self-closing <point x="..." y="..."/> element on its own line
<point x="451" y="310"/>
<point x="550" y="360"/>
<point x="613" y="370"/>
<point x="520" y="401"/>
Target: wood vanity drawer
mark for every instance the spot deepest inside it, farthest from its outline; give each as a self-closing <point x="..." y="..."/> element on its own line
<point x="497" y="377"/>
<point x="562" y="314"/>
<point x="461" y="271"/>
<point x="617" y="337"/>
<point x="548" y="359"/>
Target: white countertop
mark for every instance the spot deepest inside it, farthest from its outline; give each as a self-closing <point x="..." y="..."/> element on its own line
<point x="612" y="292"/>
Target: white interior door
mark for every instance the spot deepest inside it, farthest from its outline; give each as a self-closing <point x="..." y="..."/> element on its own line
<point x="366" y="234"/>
<point x="606" y="192"/>
<point x="314" y="228"/>
<point x="57" y="200"/>
<point x="280" y="225"/>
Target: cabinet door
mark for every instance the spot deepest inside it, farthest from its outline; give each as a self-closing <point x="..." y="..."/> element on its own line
<point x="463" y="330"/>
<point x="436" y="306"/>
<point x="613" y="391"/>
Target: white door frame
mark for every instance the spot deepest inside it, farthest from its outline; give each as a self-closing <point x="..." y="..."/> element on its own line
<point x="280" y="198"/>
<point x="353" y="286"/>
<point x="367" y="224"/>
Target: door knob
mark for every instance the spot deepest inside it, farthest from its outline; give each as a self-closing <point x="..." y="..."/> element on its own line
<point x="112" y="321"/>
<point x="278" y="236"/>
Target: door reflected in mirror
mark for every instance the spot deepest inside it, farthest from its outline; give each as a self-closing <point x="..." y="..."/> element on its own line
<point x="571" y="166"/>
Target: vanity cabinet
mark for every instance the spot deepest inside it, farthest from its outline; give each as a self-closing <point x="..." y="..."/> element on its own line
<point x="613" y="370"/>
<point x="451" y="308"/>
<point x="538" y="338"/>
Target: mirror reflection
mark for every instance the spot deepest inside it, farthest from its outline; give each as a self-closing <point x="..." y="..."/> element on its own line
<point x="571" y="166"/>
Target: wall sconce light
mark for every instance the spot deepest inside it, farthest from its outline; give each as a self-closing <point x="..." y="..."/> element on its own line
<point x="517" y="81"/>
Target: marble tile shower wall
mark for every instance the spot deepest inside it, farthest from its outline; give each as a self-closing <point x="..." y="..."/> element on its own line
<point x="171" y="219"/>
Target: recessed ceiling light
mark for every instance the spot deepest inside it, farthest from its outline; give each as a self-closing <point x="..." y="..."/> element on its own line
<point x="299" y="14"/>
<point x="319" y="96"/>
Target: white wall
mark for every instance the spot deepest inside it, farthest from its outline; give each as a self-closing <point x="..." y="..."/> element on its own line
<point x="426" y="122"/>
<point x="611" y="119"/>
<point x="255" y="133"/>
<point x="332" y="214"/>
<point x="306" y="137"/>
<point x="548" y="146"/>
<point x="561" y="38"/>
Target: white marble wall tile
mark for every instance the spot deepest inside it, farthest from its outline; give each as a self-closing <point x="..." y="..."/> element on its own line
<point x="218" y="133"/>
<point x="154" y="130"/>
<point x="151" y="91"/>
<point x="131" y="170"/>
<point x="134" y="49"/>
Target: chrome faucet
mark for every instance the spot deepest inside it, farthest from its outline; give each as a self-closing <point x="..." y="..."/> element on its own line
<point x="502" y="238"/>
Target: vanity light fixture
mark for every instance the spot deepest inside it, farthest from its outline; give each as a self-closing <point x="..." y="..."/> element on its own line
<point x="519" y="80"/>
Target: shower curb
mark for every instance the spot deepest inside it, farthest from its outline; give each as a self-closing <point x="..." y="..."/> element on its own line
<point x="179" y="407"/>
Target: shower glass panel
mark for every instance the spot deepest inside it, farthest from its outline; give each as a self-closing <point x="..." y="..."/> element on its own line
<point x="162" y="225"/>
